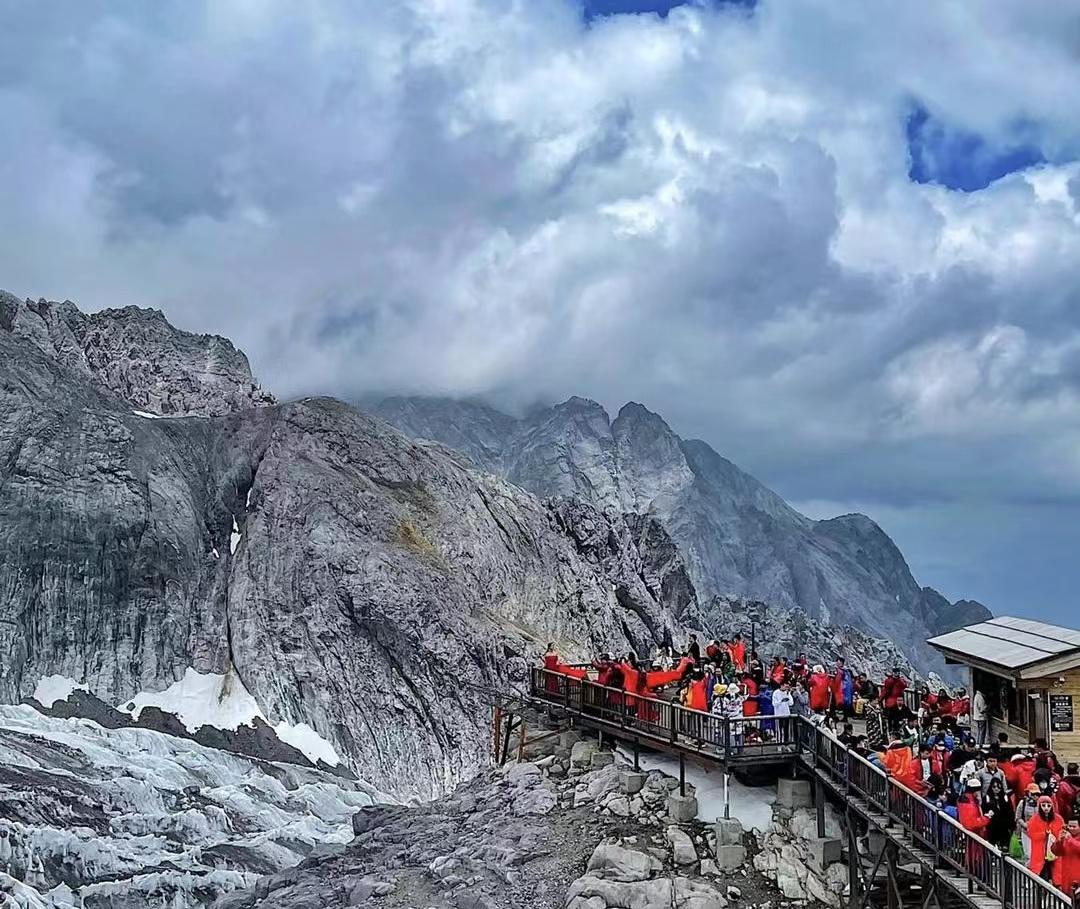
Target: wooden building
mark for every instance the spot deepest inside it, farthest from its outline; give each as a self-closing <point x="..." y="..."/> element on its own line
<point x="1029" y="673"/>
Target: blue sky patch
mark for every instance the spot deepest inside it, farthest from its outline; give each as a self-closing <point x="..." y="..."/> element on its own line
<point x="593" y="9"/>
<point x="959" y="159"/>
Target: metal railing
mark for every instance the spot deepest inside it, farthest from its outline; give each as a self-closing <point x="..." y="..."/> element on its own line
<point x="976" y="862"/>
<point x="726" y="738"/>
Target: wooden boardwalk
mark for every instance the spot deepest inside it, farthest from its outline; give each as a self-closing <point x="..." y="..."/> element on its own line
<point x="905" y="832"/>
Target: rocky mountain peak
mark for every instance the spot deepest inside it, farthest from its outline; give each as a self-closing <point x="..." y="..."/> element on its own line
<point x="137" y="355"/>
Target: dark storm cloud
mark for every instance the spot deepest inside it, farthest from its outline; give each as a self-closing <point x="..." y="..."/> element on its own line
<point x="711" y="212"/>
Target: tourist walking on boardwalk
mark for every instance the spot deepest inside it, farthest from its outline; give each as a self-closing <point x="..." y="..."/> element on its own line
<point x="979" y="714"/>
<point x="1044" y="829"/>
<point x="1026" y="809"/>
<point x="1067" y="849"/>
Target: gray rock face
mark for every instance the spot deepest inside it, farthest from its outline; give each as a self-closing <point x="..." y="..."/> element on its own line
<point x="738" y="538"/>
<point x="136" y="354"/>
<point x="373" y="587"/>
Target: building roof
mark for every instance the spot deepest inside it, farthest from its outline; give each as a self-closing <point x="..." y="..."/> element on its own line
<point x="1009" y="642"/>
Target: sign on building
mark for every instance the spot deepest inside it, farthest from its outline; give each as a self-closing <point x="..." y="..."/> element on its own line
<point x="1061" y="713"/>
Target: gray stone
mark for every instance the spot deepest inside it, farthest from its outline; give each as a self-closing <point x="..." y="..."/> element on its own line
<point x="824" y="851"/>
<point x="681" y="808"/>
<point x="632" y="781"/>
<point x="793" y="793"/>
<point x="682" y="847"/>
<point x="601" y="759"/>
<point x="581" y="754"/>
<point x="729" y="832"/>
<point x="618" y="863"/>
<point x="728" y="858"/>
<point x="569" y="738"/>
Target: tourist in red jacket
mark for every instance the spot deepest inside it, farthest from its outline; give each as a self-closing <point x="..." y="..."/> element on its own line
<point x="1067" y="849"/>
<point x="1067" y="792"/>
<point x="737" y="649"/>
<point x="1044" y="829"/>
<point x="820" y="687"/>
<point x="969" y="812"/>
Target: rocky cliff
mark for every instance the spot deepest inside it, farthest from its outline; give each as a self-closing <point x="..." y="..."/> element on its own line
<point x="737" y="536"/>
<point x="136" y="354"/>
<point x="371" y="586"/>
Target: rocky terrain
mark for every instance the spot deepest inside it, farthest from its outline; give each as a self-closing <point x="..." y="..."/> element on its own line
<point x="738" y="538"/>
<point x="374" y="588"/>
<point x="560" y="829"/>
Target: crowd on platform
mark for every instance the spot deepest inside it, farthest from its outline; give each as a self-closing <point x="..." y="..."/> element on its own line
<point x="1019" y="799"/>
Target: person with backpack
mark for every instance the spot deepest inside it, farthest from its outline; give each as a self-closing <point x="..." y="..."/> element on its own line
<point x="1026" y="809"/>
<point x="1068" y="793"/>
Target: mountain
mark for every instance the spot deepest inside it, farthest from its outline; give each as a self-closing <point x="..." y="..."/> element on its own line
<point x="170" y="536"/>
<point x="738" y="537"/>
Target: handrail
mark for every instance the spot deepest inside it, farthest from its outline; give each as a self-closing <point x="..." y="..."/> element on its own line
<point x="974" y="858"/>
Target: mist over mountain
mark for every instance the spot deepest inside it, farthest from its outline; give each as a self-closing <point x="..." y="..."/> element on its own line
<point x="738" y="537"/>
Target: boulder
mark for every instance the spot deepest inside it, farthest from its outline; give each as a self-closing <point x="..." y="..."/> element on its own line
<point x="581" y="753"/>
<point x="617" y="863"/>
<point x="682" y="847"/>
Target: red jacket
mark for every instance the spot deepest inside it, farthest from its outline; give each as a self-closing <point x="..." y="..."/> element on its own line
<point x="1068" y="870"/>
<point x="738" y="655"/>
<point x="750" y="705"/>
<point x="696" y="697"/>
<point x="1025" y="774"/>
<point x="892" y="692"/>
<point x="1039" y="831"/>
<point x="1065" y="796"/>
<point x="819" y="691"/>
<point x="970" y="814"/>
<point x="939" y="762"/>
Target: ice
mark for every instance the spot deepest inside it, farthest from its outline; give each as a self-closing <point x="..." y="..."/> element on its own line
<point x="171" y="820"/>
<point x="147" y="415"/>
<point x="53" y="688"/>
<point x="306" y="740"/>
<point x="201" y="700"/>
<point x="234" y="537"/>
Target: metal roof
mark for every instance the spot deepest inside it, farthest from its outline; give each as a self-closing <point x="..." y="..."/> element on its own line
<point x="1010" y="642"/>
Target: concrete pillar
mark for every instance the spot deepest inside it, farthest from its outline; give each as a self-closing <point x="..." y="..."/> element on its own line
<point x="824" y="851"/>
<point x="631" y="782"/>
<point x="728" y="858"/>
<point x="729" y="832"/>
<point x="602" y="759"/>
<point x="682" y="808"/>
<point x="793" y="793"/>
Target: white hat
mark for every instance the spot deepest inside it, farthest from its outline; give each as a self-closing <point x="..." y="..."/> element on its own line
<point x="974" y="782"/>
<point x="818" y="668"/>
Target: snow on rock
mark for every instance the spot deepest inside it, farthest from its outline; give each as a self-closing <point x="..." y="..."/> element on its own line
<point x="234" y="537"/>
<point x="53" y="688"/>
<point x="306" y="740"/>
<point x="201" y="700"/>
<point x="222" y="701"/>
<point x="147" y="415"/>
<point x="132" y="817"/>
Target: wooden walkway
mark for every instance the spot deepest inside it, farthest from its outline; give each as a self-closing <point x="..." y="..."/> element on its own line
<point x="905" y="831"/>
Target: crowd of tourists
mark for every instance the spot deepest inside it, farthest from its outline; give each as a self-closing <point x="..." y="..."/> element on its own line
<point x="936" y="744"/>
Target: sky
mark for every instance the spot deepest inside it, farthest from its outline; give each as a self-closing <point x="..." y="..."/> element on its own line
<point x="838" y="240"/>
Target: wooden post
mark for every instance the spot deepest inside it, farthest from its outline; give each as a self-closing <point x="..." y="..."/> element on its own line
<point x="521" y="741"/>
<point x="498" y="729"/>
<point x="819" y="805"/>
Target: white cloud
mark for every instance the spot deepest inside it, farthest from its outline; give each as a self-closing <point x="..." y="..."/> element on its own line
<point x="710" y="213"/>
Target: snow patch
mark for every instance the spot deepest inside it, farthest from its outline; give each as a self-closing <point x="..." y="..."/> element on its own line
<point x="306" y="740"/>
<point x="222" y="700"/>
<point x="201" y="700"/>
<point x="750" y="804"/>
<point x="147" y="415"/>
<point x="53" y="688"/>
<point x="234" y="537"/>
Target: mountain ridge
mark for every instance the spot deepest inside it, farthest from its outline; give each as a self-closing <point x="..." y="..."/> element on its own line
<point x="738" y="537"/>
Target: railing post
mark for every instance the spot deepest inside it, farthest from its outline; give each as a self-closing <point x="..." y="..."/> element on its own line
<point x="674" y="720"/>
<point x="727" y="738"/>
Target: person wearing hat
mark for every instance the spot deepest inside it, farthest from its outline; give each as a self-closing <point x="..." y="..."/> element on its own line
<point x="1044" y="829"/>
<point x="970" y="812"/>
<point x="820" y="688"/>
<point x="1026" y="809"/>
